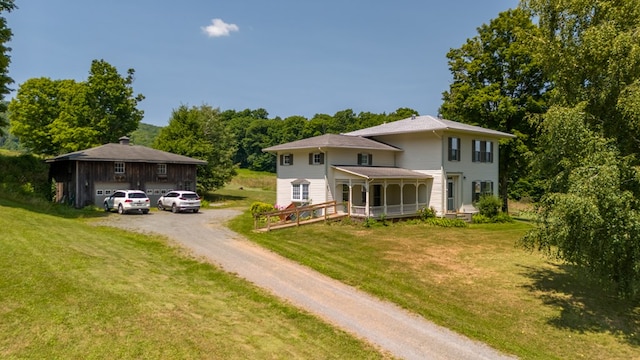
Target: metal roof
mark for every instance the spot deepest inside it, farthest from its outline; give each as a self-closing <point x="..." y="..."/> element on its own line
<point x="425" y="123"/>
<point x="382" y="172"/>
<point x="333" y="141"/>
<point x="127" y="153"/>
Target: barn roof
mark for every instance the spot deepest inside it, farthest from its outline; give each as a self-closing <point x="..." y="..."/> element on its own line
<point x="127" y="153"/>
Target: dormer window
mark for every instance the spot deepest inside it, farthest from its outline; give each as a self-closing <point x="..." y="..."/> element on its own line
<point x="365" y="159"/>
<point x="286" y="159"/>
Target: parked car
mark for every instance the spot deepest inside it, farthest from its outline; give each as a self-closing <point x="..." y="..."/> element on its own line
<point x="179" y="200"/>
<point x="125" y="201"/>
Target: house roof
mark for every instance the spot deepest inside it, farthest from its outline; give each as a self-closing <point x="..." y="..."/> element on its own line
<point x="127" y="153"/>
<point x="333" y="141"/>
<point x="425" y="123"/>
<point x="382" y="172"/>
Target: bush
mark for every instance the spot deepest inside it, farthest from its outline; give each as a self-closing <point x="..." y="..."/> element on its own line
<point x="480" y="219"/>
<point x="258" y="208"/>
<point x="444" y="222"/>
<point x="489" y="206"/>
<point x="427" y="213"/>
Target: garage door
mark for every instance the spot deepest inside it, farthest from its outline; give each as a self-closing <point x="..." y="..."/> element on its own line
<point x="103" y="190"/>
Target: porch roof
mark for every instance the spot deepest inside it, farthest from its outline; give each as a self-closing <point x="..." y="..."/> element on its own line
<point x="382" y="172"/>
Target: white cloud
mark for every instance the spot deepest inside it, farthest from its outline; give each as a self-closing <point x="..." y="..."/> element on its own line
<point x="219" y="28"/>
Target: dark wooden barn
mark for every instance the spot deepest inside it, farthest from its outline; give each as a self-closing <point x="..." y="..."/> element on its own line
<point x="86" y="177"/>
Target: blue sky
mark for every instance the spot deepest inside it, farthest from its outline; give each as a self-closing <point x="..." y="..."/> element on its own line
<point x="288" y="57"/>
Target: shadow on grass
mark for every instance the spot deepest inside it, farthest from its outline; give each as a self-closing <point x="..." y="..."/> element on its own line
<point x="214" y="197"/>
<point x="585" y="305"/>
<point x="42" y="206"/>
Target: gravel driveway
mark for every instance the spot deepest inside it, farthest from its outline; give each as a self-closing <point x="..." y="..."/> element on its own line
<point x="381" y="323"/>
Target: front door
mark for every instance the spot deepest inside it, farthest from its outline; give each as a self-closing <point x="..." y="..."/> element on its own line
<point x="451" y="195"/>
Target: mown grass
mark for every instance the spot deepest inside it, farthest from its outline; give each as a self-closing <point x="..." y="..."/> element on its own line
<point x="71" y="290"/>
<point x="473" y="280"/>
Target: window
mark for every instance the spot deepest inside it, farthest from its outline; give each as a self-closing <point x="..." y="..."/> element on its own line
<point x="162" y="169"/>
<point x="119" y="167"/>
<point x="482" y="151"/>
<point x="286" y="159"/>
<point x="316" y="158"/>
<point x="454" y="149"/>
<point x="481" y="188"/>
<point x="365" y="159"/>
<point x="188" y="185"/>
<point x="345" y="192"/>
<point x="300" y="190"/>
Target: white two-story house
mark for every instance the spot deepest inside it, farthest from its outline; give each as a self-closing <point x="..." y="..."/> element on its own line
<point x="394" y="169"/>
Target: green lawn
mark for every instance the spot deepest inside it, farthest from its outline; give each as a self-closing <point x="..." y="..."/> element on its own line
<point x="474" y="280"/>
<point x="71" y="290"/>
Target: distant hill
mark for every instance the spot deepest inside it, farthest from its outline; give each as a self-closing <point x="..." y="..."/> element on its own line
<point x="145" y="135"/>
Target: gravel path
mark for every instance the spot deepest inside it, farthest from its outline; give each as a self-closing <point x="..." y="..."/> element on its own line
<point x="381" y="323"/>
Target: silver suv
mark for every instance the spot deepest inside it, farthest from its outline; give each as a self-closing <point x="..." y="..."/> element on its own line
<point x="179" y="200"/>
<point x="127" y="201"/>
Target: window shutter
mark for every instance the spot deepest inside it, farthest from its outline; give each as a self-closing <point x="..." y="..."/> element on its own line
<point x="359" y="159"/>
<point x="310" y="158"/>
<point x="473" y="151"/>
<point x="459" y="157"/>
<point x="321" y="158"/>
<point x="281" y="159"/>
<point x="370" y="160"/>
<point x="491" y="152"/>
<point x="290" y="159"/>
<point x="450" y="147"/>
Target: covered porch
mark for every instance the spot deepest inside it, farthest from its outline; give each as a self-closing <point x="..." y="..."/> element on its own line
<point x="373" y="191"/>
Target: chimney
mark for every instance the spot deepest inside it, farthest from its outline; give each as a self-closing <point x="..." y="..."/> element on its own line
<point x="124" y="140"/>
<point x="413" y="117"/>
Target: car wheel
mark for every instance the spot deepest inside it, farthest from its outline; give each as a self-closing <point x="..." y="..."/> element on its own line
<point x="106" y="207"/>
<point x="174" y="208"/>
<point x="120" y="209"/>
<point x="145" y="211"/>
<point x="195" y="211"/>
<point x="160" y="207"/>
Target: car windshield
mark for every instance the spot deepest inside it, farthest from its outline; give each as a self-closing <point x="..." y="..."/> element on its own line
<point x="190" y="196"/>
<point x="137" y="195"/>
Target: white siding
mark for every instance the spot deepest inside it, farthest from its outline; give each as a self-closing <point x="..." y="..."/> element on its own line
<point x="301" y="170"/>
<point x="422" y="151"/>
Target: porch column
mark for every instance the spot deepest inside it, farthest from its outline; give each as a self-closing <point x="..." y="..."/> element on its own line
<point x="366" y="202"/>
<point x="385" y="197"/>
<point x="401" y="196"/>
<point x="350" y="204"/>
<point x="417" y="195"/>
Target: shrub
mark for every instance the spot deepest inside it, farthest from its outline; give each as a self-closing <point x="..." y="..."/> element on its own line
<point x="480" y="219"/>
<point x="427" y="213"/>
<point x="258" y="208"/>
<point x="489" y="206"/>
<point x="444" y="222"/>
<point x="502" y="218"/>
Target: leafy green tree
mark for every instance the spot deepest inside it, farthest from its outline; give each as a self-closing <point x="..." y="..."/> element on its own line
<point x="589" y="218"/>
<point x="54" y="116"/>
<point x="5" y="80"/>
<point x="592" y="51"/>
<point x="588" y="150"/>
<point x="497" y="84"/>
<point x="198" y="132"/>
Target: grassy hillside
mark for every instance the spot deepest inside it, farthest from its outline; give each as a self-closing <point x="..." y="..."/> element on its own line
<point x="72" y="290"/>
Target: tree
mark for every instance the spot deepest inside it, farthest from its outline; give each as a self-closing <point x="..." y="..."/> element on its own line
<point x="54" y="116"/>
<point x="199" y="132"/>
<point x="588" y="150"/>
<point x="497" y="84"/>
<point x="589" y="217"/>
<point x="5" y="80"/>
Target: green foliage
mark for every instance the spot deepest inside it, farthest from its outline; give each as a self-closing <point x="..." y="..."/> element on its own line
<point x="427" y="213"/>
<point x="25" y="175"/>
<point x="198" y="132"/>
<point x="447" y="223"/>
<point x="56" y="116"/>
<point x="5" y="80"/>
<point x="488" y="206"/>
<point x="145" y="134"/>
<point x="258" y="208"/>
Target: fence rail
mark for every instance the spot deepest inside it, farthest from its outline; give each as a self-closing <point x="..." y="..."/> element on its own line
<point x="297" y="216"/>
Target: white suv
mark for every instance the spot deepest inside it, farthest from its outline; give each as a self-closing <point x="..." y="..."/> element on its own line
<point x="127" y="201"/>
<point x="179" y="200"/>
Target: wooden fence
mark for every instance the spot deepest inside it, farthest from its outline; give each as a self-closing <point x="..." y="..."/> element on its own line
<point x="297" y="216"/>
